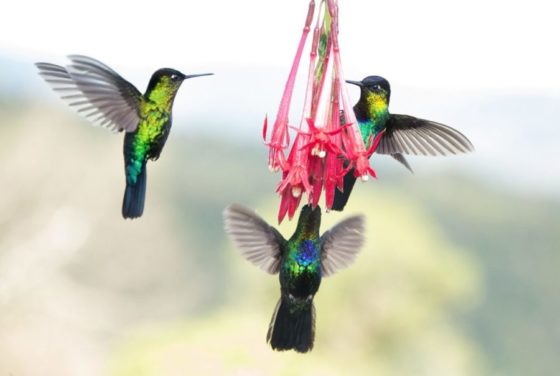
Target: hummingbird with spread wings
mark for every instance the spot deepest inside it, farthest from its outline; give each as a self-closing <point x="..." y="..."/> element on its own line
<point x="399" y="134"/>
<point x="301" y="262"/>
<point x="108" y="100"/>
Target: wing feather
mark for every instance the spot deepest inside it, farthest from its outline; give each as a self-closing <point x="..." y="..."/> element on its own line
<point x="409" y="135"/>
<point x="341" y="244"/>
<point x="98" y="92"/>
<point x="258" y="242"/>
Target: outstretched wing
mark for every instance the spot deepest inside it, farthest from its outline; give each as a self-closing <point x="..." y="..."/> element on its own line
<point x="257" y="241"/>
<point x="397" y="156"/>
<point x="97" y="91"/>
<point x="341" y="244"/>
<point x="409" y="135"/>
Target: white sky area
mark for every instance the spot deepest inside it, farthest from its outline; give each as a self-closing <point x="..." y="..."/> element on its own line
<point x="476" y="44"/>
<point x="490" y="68"/>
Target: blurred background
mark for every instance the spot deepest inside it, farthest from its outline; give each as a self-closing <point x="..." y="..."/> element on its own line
<point x="459" y="275"/>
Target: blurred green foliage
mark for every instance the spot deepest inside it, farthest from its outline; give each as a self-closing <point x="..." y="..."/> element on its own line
<point x="458" y="277"/>
<point x="387" y="314"/>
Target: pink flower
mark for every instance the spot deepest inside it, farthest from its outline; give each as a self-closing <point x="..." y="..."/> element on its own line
<point x="295" y="179"/>
<point x="334" y="164"/>
<point x="321" y="140"/>
<point x="322" y="143"/>
<point x="288" y="205"/>
<point x="280" y="140"/>
<point x="280" y="137"/>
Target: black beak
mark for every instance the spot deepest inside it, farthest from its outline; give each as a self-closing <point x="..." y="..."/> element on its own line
<point x="357" y="83"/>
<point x="197" y="75"/>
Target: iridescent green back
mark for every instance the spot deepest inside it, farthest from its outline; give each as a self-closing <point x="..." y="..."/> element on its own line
<point x="155" y="121"/>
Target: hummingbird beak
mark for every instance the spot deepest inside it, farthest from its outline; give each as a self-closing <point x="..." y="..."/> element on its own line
<point x="197" y="75"/>
<point x="357" y="83"/>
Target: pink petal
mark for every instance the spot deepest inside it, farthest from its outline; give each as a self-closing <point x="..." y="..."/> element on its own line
<point x="280" y="136"/>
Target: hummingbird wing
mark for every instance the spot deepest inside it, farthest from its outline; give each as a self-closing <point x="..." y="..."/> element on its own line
<point x="97" y="91"/>
<point x="401" y="159"/>
<point x="341" y="244"/>
<point x="258" y="242"/>
<point x="409" y="135"/>
<point x="397" y="156"/>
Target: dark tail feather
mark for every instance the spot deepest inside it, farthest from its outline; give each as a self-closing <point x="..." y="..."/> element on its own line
<point x="134" y="195"/>
<point x="292" y="330"/>
<point x="341" y="198"/>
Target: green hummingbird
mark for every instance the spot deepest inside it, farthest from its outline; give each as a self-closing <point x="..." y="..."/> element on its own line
<point x="400" y="134"/>
<point x="107" y="99"/>
<point x="301" y="261"/>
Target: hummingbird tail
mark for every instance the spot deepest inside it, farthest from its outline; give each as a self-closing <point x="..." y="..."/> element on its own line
<point x="292" y="327"/>
<point x="341" y="198"/>
<point x="134" y="195"/>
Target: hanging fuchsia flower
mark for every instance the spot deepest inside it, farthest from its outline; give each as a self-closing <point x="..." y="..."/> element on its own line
<point x="334" y="165"/>
<point x="295" y="181"/>
<point x="320" y="140"/>
<point x="280" y="137"/>
<point x="296" y="176"/>
<point x="322" y="144"/>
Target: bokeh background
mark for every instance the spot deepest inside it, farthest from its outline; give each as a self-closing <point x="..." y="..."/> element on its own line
<point x="459" y="275"/>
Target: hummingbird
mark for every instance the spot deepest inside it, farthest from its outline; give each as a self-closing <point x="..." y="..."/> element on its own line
<point x="399" y="134"/>
<point x="301" y="261"/>
<point x="108" y="100"/>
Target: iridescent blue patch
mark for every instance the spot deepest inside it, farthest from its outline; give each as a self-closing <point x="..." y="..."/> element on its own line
<point x="307" y="253"/>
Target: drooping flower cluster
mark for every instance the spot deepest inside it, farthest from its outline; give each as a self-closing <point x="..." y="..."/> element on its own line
<point x="323" y="149"/>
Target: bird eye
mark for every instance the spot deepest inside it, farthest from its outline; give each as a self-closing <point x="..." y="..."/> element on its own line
<point x="377" y="87"/>
<point x="174" y="77"/>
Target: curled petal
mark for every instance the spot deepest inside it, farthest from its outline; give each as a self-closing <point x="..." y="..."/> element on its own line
<point x="375" y="143"/>
<point x="265" y="128"/>
<point x="362" y="168"/>
<point x="296" y="177"/>
<point x="276" y="159"/>
<point x="288" y="205"/>
<point x="322" y="140"/>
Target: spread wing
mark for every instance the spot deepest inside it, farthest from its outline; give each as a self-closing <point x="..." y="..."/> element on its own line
<point x="97" y="91"/>
<point x="397" y="156"/>
<point x="257" y="241"/>
<point x="341" y="244"/>
<point x="409" y="135"/>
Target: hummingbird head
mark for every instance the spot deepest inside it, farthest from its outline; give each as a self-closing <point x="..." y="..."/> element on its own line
<point x="309" y="221"/>
<point x="374" y="84"/>
<point x="165" y="83"/>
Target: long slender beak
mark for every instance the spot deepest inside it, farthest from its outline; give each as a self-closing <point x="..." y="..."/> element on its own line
<point x="357" y="83"/>
<point x="197" y="75"/>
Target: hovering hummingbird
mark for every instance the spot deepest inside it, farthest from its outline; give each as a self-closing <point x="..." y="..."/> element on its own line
<point x="400" y="134"/>
<point x="103" y="96"/>
<point x="301" y="261"/>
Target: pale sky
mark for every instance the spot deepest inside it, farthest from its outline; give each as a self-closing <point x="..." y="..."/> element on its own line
<point x="490" y="68"/>
<point x="476" y="44"/>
